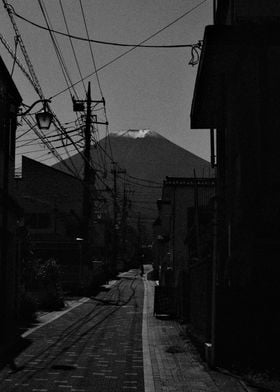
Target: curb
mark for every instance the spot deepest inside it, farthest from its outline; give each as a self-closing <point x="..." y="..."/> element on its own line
<point x="51" y="316"/>
<point x="18" y="341"/>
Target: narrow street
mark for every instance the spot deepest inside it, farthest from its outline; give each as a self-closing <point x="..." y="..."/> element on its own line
<point x="111" y="342"/>
<point x="96" y="346"/>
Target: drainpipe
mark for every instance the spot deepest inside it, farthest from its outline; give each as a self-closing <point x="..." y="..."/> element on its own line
<point x="4" y="223"/>
<point x="213" y="297"/>
<point x="212" y="148"/>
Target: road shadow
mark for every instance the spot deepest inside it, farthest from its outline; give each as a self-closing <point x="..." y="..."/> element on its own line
<point x="10" y="351"/>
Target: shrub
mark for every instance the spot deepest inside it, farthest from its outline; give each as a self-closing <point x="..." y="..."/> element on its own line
<point x="49" y="278"/>
<point x="28" y="307"/>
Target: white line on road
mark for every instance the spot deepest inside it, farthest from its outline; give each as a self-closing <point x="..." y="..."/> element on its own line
<point x="148" y="372"/>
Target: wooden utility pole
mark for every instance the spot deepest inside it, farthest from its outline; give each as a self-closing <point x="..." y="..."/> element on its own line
<point x="115" y="172"/>
<point x="89" y="172"/>
<point x="124" y="223"/>
<point x="89" y="175"/>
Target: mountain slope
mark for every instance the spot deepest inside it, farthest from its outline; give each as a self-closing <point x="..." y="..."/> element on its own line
<point x="145" y="155"/>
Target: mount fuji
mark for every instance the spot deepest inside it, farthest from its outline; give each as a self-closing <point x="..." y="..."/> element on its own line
<point x="147" y="157"/>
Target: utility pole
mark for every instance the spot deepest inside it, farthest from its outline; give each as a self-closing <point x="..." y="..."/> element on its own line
<point x="89" y="173"/>
<point x="124" y="224"/>
<point x="115" y="172"/>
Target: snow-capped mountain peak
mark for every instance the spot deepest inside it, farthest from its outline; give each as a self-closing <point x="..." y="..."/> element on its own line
<point x="138" y="133"/>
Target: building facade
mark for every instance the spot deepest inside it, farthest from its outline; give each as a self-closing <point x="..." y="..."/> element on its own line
<point x="10" y="211"/>
<point x="53" y="215"/>
<point x="237" y="97"/>
<point x="183" y="246"/>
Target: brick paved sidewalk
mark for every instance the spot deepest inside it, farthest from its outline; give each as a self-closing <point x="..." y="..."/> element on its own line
<point x="171" y="363"/>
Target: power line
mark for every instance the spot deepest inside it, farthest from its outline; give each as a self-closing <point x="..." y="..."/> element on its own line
<point x="139" y="45"/>
<point x="64" y="69"/>
<point x="63" y="65"/>
<point x="57" y="49"/>
<point x="96" y="73"/>
<point x="72" y="46"/>
<point x="35" y="83"/>
<point x="90" y="48"/>
<point x="25" y="132"/>
<point x="15" y="55"/>
<point x="137" y="178"/>
<point x="145" y="180"/>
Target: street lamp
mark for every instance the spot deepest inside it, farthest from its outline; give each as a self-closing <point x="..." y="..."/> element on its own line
<point x="44" y="117"/>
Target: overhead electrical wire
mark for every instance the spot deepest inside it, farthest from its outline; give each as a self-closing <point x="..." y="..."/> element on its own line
<point x="97" y="70"/>
<point x="145" y="180"/>
<point x="132" y="48"/>
<point x="129" y="181"/>
<point x="26" y="132"/>
<point x="139" y="45"/>
<point x="35" y="143"/>
<point x="36" y="85"/>
<point x="66" y="72"/>
<point x="34" y="138"/>
<point x="15" y="55"/>
<point x="63" y="66"/>
<point x="50" y="136"/>
<point x="34" y="81"/>
<point x="96" y="74"/>
<point x="90" y="48"/>
<point x="71" y="43"/>
<point x="64" y="69"/>
<point x="56" y="147"/>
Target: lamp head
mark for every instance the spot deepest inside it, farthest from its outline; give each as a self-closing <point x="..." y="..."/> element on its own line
<point x="44" y="119"/>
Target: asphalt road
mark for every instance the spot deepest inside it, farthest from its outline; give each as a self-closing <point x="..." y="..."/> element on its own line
<point x="97" y="346"/>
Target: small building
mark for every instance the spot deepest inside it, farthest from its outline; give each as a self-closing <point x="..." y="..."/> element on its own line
<point x="52" y="201"/>
<point x="52" y="204"/>
<point x="182" y="243"/>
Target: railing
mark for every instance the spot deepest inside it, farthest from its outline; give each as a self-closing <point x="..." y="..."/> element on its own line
<point x="189" y="181"/>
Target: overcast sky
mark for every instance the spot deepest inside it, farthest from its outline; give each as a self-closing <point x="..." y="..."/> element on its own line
<point x="148" y="88"/>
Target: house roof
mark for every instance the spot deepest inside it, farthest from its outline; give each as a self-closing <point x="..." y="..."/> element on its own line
<point x="51" y="168"/>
